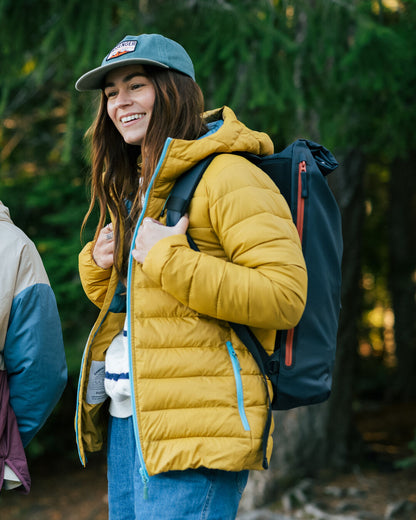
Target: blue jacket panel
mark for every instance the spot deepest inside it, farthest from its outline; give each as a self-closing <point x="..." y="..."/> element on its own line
<point x="34" y="357"/>
<point x="31" y="344"/>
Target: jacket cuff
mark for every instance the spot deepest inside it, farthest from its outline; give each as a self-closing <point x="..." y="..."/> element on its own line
<point x="87" y="262"/>
<point x="160" y="254"/>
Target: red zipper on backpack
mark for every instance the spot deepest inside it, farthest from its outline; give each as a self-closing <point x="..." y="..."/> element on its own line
<point x="299" y="225"/>
<point x="289" y="348"/>
<point x="301" y="201"/>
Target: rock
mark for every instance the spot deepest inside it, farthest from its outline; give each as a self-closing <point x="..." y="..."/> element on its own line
<point x="334" y="491"/>
<point x="345" y="507"/>
<point x="355" y="492"/>
<point x="297" y="495"/>
<point x="287" y="503"/>
<point x="367" y="515"/>
<point x="262" y="514"/>
<point x="318" y="514"/>
<point x="396" y="509"/>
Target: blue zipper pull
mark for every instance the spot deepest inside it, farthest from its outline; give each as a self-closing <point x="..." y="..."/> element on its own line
<point x="239" y="384"/>
<point x="145" y="480"/>
<point x="234" y="354"/>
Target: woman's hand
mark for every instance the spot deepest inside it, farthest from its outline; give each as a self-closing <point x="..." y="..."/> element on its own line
<point x="103" y="253"/>
<point x="151" y="231"/>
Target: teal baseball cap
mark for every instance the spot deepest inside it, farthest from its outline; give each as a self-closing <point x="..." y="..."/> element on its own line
<point x="145" y="49"/>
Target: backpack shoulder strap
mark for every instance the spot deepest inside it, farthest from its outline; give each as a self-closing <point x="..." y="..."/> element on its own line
<point x="183" y="191"/>
<point x="263" y="361"/>
<point x="177" y="204"/>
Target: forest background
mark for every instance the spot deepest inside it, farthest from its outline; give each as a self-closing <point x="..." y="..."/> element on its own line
<point x="339" y="72"/>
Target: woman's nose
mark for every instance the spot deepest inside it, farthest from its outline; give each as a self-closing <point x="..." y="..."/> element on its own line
<point x="123" y="98"/>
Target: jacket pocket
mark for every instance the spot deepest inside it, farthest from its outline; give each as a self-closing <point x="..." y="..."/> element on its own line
<point x="239" y="385"/>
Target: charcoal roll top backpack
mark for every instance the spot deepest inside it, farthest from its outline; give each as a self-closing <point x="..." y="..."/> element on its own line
<point x="300" y="369"/>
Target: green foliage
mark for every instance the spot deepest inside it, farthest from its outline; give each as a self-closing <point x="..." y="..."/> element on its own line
<point x="409" y="462"/>
<point x="338" y="72"/>
<point x="53" y="223"/>
<point x="377" y="71"/>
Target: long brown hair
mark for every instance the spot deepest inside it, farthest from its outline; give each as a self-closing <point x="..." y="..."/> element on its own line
<point x="116" y="176"/>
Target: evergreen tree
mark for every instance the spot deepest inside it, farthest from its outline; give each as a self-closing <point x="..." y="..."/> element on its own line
<point x="338" y="72"/>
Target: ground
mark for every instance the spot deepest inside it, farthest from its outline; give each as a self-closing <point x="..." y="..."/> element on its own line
<point x="70" y="492"/>
<point x="60" y="492"/>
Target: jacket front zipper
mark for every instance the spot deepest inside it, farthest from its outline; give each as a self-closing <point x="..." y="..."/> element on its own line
<point x="85" y="355"/>
<point x="143" y="470"/>
<point x="239" y="385"/>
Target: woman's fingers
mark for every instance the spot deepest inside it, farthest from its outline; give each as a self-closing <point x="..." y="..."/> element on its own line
<point x="151" y="231"/>
<point x="103" y="253"/>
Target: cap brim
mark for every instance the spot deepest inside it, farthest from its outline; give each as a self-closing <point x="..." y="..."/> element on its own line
<point x="94" y="79"/>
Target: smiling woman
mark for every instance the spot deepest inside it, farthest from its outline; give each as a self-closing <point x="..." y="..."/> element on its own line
<point x="187" y="406"/>
<point x="130" y="99"/>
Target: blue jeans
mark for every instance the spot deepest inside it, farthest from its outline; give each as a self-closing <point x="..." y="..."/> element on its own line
<point x="193" y="494"/>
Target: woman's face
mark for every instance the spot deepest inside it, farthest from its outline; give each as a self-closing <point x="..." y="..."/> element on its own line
<point x="130" y="99"/>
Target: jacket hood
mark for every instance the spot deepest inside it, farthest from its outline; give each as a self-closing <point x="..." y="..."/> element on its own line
<point x="4" y="213"/>
<point x="227" y="135"/>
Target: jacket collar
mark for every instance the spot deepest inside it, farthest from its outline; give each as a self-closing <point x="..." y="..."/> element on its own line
<point x="226" y="134"/>
<point x="5" y="213"/>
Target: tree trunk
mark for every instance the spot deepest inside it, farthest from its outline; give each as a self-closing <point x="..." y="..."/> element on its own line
<point x="347" y="184"/>
<point x="309" y="439"/>
<point x="402" y="247"/>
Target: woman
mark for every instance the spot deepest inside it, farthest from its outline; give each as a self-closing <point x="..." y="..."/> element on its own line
<point x="184" y="401"/>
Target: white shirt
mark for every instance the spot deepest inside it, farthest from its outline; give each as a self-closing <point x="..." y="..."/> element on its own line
<point x="117" y="377"/>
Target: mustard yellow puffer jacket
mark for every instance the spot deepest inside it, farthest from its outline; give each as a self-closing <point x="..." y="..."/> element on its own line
<point x="198" y="396"/>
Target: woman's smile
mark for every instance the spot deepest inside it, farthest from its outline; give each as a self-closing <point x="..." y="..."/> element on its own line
<point x="130" y="99"/>
<point x="132" y="117"/>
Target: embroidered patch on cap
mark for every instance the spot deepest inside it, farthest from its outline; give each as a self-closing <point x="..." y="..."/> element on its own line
<point x="122" y="48"/>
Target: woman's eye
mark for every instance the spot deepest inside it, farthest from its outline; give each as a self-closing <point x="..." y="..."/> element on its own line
<point x="136" y="86"/>
<point x="110" y="94"/>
